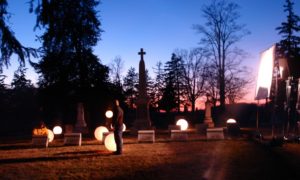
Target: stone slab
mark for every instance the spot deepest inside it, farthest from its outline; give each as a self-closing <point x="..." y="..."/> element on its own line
<point x="72" y="139"/>
<point x="40" y="140"/>
<point x="215" y="133"/>
<point x="146" y="136"/>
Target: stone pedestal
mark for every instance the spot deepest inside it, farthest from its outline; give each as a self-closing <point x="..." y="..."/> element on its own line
<point x="142" y="121"/>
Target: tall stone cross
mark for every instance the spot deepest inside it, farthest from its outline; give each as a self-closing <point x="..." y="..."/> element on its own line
<point x="142" y="76"/>
<point x="142" y="121"/>
<point x="142" y="53"/>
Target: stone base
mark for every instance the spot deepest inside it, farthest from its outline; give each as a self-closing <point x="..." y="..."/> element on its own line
<point x="72" y="139"/>
<point x="215" y="133"/>
<point x="40" y="141"/>
<point x="146" y="136"/>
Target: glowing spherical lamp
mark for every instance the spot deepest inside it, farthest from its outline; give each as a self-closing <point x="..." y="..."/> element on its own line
<point x="50" y="135"/>
<point x="231" y="121"/>
<point x="109" y="142"/>
<point x="183" y="124"/>
<point x="99" y="132"/>
<point x="57" y="130"/>
<point x="123" y="129"/>
<point x="109" y="114"/>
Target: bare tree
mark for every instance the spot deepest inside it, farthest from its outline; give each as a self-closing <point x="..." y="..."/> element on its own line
<point x="116" y="68"/>
<point x="220" y="34"/>
<point x="194" y="73"/>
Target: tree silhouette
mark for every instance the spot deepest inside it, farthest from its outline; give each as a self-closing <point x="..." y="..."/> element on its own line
<point x="116" y="68"/>
<point x="168" y="100"/>
<point x="19" y="80"/>
<point x="156" y="91"/>
<point x="69" y="71"/>
<point x="195" y="62"/>
<point x="9" y="44"/>
<point x="220" y="33"/>
<point x="174" y="78"/>
<point x="289" y="46"/>
<point x="131" y="87"/>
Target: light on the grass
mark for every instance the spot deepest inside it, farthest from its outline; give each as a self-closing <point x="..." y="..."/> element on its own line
<point x="99" y="132"/>
<point x="109" y="142"/>
<point x="183" y="124"/>
<point x="231" y="121"/>
<point x="109" y="114"/>
<point x="50" y="135"/>
<point x="57" y="130"/>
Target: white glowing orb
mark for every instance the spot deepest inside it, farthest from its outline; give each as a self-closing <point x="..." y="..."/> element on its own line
<point x="183" y="124"/>
<point x="265" y="73"/>
<point x="109" y="114"/>
<point x="231" y="121"/>
<point x="109" y="142"/>
<point x="99" y="132"/>
<point x="57" y="130"/>
<point x="50" y="135"/>
<point x="123" y="129"/>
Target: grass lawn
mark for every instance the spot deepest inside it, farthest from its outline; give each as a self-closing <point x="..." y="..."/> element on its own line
<point x="194" y="159"/>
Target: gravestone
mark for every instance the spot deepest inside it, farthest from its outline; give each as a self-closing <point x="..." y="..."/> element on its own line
<point x="215" y="133"/>
<point x="40" y="141"/>
<point x="72" y="139"/>
<point x="146" y="136"/>
<point x="80" y="126"/>
<point x="207" y="116"/>
<point x="142" y="121"/>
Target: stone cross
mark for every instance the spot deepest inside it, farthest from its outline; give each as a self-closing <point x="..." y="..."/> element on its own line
<point x="142" y="53"/>
<point x="142" y="121"/>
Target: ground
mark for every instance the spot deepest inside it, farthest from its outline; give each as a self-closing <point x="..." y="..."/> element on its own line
<point x="197" y="158"/>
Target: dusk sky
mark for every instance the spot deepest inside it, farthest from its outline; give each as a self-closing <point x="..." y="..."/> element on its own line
<point x="160" y="27"/>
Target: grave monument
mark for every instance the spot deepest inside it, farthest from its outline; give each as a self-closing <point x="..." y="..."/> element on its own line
<point x="142" y="121"/>
<point x="80" y="126"/>
<point x="207" y="116"/>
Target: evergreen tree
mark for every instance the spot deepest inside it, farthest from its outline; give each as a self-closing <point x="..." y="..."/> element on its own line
<point x="168" y="100"/>
<point x="131" y="87"/>
<point x="69" y="71"/>
<point x="174" y="78"/>
<point x="289" y="46"/>
<point x="19" y="80"/>
<point x="9" y="44"/>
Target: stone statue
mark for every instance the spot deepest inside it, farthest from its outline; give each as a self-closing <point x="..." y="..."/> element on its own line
<point x="207" y="116"/>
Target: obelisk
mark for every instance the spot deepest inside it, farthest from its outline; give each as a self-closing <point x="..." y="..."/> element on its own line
<point x="142" y="121"/>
